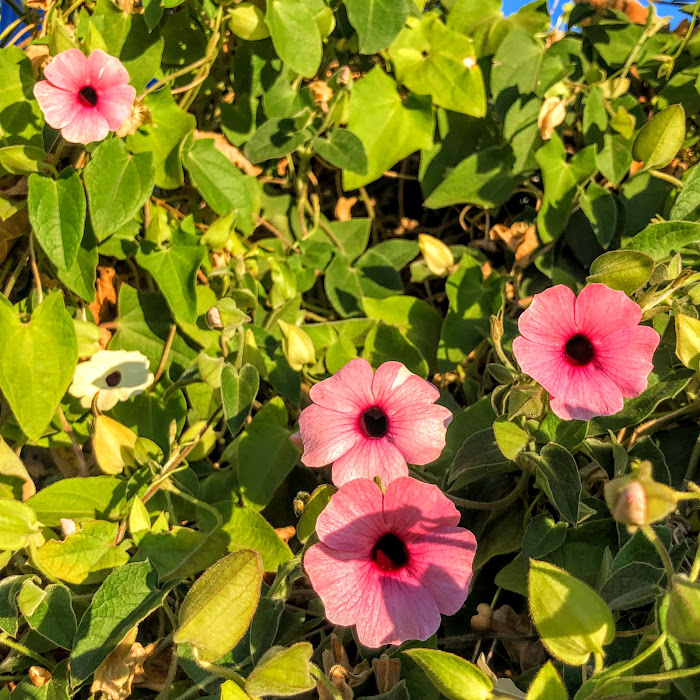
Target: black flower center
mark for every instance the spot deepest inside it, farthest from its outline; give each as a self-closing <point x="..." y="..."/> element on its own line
<point x="88" y="96"/>
<point x="114" y="378"/>
<point x="374" y="423"/>
<point x="578" y="350"/>
<point x="390" y="553"/>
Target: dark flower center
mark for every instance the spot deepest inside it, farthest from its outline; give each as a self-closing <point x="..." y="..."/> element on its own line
<point x="374" y="423"/>
<point x="114" y="378"/>
<point x="578" y="350"/>
<point x="88" y="96"/>
<point x="390" y="553"/>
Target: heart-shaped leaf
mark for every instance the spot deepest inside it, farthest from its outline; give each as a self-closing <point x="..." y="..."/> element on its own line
<point x="37" y="360"/>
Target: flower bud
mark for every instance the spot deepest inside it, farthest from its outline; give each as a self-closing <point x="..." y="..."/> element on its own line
<point x="637" y="500"/>
<point x="214" y="318"/>
<point x="438" y="257"/>
<point x="552" y="114"/>
<point x="297" y="346"/>
<point x="114" y="445"/>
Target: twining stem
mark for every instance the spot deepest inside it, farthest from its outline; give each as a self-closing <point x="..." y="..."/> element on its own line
<point x="492" y="505"/>
<point x="35" y="269"/>
<point x="661" y="551"/>
<point x="665" y="176"/>
<point x="6" y="641"/>
<point x="220" y="670"/>
<point x="164" y="356"/>
<point x="76" y="447"/>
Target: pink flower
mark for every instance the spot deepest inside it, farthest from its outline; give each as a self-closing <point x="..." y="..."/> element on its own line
<point x="390" y="563"/>
<point x="587" y="352"/>
<point x="370" y="424"/>
<point x="85" y="98"/>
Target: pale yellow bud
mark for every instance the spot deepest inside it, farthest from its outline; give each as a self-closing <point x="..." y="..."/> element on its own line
<point x="552" y="114"/>
<point x="297" y="346"/>
<point x="114" y="445"/>
<point x="438" y="257"/>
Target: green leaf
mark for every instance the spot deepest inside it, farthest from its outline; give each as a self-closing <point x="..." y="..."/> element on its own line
<point x="614" y="159"/>
<point x="320" y="498"/>
<point x="295" y="35"/>
<point x="687" y="204"/>
<point x="683" y="616"/>
<point x="660" y="139"/>
<point x="144" y="324"/>
<point x="510" y="437"/>
<point x="22" y="159"/>
<point x="18" y="523"/>
<point x="282" y="672"/>
<point x="417" y="321"/>
<point x="118" y="185"/>
<point x="220" y="605"/>
<point x="626" y="270"/>
<point x="377" y="22"/>
<point x="561" y="481"/>
<point x="561" y="178"/>
<point x="688" y="341"/>
<point x="431" y="59"/>
<point x="665" y="239"/>
<point x="21" y="120"/>
<point x="224" y="187"/>
<point x="480" y="455"/>
<point x="389" y="125"/>
<point x="244" y="528"/>
<point x="49" y="612"/>
<point x="453" y="676"/>
<point x="385" y="343"/>
<point x="127" y="596"/>
<point x="37" y="360"/>
<point x="85" y="557"/>
<point x="343" y="149"/>
<point x="516" y="64"/>
<point x="483" y="178"/>
<point x="164" y="138"/>
<point x="238" y="391"/>
<point x="81" y="276"/>
<point x="56" y="688"/>
<point x="598" y="204"/>
<point x="14" y="476"/>
<point x="547" y="685"/>
<point x="9" y="588"/>
<point x="57" y="214"/>
<point x="277" y="138"/>
<point x="265" y="458"/>
<point x="86" y="498"/>
<point x="175" y="271"/>
<point x="572" y="619"/>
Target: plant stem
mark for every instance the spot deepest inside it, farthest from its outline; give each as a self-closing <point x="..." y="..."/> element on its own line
<point x="35" y="269"/>
<point x="492" y="505"/>
<point x="16" y="646"/>
<point x="661" y="551"/>
<point x="665" y="176"/>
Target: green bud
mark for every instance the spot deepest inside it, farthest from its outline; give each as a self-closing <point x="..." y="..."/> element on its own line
<point x="297" y="346"/>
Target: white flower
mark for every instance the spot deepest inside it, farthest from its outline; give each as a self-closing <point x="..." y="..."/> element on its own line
<point x="116" y="375"/>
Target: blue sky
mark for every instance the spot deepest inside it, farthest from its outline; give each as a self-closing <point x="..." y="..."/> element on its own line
<point x="510" y="6"/>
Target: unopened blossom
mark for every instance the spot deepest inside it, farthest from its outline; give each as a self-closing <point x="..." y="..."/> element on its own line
<point x="114" y="375"/>
<point x="589" y="352"/>
<point x="390" y="563"/>
<point x="85" y="97"/>
<point x="369" y="424"/>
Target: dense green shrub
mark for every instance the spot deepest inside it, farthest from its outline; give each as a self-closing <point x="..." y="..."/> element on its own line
<point x="302" y="183"/>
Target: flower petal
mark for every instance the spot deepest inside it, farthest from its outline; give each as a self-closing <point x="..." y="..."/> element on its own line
<point x="394" y="386"/>
<point x="413" y="508"/>
<point x="418" y="431"/>
<point x="395" y="611"/>
<point x="590" y="393"/>
<point x="353" y="521"/>
<point x="105" y="71"/>
<point x="342" y="581"/>
<point x="546" y="364"/>
<point x="626" y="356"/>
<point x="88" y="125"/>
<point x="57" y="105"/>
<point x="550" y="320"/>
<point x="442" y="561"/>
<point x="348" y="390"/>
<point x="367" y="459"/>
<point x="601" y="311"/>
<point x="115" y="104"/>
<point x="327" y="435"/>
<point x="68" y="70"/>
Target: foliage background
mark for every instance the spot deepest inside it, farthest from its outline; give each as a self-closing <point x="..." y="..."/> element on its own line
<point x="283" y="181"/>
